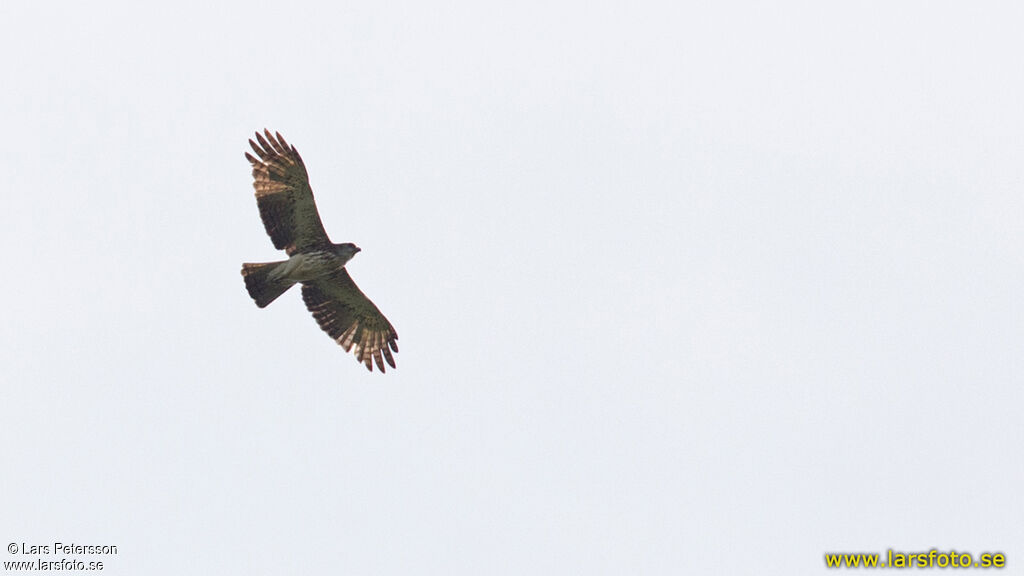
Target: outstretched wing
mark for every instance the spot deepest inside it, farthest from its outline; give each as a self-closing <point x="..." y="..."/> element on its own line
<point x="284" y="196"/>
<point x="348" y="317"/>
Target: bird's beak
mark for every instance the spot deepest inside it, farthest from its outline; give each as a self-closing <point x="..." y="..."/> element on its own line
<point x="358" y="249"/>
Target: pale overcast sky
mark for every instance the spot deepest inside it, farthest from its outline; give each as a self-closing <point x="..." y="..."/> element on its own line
<point x="681" y="287"/>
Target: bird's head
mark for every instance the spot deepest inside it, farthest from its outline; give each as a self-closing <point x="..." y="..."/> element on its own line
<point x="346" y="251"/>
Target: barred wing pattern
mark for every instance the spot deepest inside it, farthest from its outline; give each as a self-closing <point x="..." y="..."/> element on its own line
<point x="348" y="317"/>
<point x="284" y="196"/>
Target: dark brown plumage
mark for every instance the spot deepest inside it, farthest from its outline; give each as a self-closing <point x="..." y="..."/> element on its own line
<point x="340" y="307"/>
<point x="284" y="197"/>
<point x="290" y="217"/>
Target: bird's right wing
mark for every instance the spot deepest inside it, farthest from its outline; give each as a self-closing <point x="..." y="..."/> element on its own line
<point x="284" y="196"/>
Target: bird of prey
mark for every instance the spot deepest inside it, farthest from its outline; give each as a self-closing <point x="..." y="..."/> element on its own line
<point x="289" y="214"/>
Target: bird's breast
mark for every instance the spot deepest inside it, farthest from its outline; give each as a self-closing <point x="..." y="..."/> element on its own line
<point x="311" y="265"/>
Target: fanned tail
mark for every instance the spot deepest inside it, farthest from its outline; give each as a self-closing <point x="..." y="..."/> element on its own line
<point x="263" y="288"/>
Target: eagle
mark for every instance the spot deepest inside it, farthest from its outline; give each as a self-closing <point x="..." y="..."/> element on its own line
<point x="289" y="214"/>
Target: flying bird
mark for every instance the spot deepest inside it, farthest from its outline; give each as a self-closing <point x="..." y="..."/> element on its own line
<point x="289" y="214"/>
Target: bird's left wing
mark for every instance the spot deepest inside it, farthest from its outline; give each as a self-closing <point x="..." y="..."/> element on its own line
<point x="351" y="319"/>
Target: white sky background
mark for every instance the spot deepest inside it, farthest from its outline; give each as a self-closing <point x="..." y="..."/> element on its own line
<point x="680" y="289"/>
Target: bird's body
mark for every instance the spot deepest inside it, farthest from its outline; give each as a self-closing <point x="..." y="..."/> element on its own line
<point x="291" y="219"/>
<point x="314" y="264"/>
